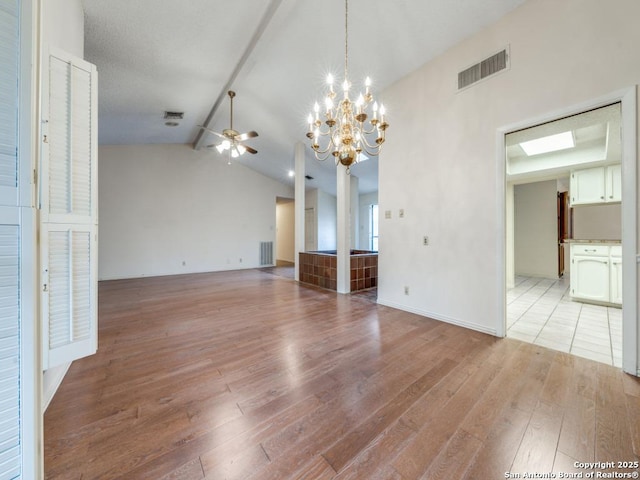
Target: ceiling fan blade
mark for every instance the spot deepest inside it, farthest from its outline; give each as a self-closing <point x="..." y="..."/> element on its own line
<point x="249" y="149"/>
<point x="212" y="131"/>
<point x="245" y="136"/>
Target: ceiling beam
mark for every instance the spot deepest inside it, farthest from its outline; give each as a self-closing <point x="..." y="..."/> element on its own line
<point x="262" y="26"/>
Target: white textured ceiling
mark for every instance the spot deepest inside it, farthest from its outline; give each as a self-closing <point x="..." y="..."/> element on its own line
<point x="157" y="55"/>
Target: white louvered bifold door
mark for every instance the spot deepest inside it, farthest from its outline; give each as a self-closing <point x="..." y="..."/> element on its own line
<point x="11" y="436"/>
<point x="9" y="97"/>
<point x="69" y="291"/>
<point x="68" y="200"/>
<point x="69" y="184"/>
<point x="10" y="453"/>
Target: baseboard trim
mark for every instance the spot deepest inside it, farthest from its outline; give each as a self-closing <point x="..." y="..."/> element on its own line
<point x="439" y="317"/>
<point x="51" y="380"/>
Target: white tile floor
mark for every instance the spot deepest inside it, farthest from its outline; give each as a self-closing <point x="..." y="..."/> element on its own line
<point x="540" y="311"/>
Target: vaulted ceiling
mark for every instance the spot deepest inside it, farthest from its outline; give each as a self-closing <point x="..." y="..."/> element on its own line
<point x="158" y="55"/>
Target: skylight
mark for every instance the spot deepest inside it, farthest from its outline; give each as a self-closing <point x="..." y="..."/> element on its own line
<point x="552" y="143"/>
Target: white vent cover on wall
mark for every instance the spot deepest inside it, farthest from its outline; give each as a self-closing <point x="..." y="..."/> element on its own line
<point x="484" y="69"/>
<point x="266" y="253"/>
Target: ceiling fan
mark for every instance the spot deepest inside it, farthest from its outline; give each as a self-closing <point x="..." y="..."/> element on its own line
<point x="231" y="139"/>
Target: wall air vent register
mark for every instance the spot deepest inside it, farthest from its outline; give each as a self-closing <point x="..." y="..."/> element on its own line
<point x="484" y="69"/>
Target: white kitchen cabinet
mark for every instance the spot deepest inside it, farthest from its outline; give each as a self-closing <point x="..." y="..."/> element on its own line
<point x="596" y="185"/>
<point x="587" y="186"/>
<point x="615" y="275"/>
<point x="613" y="186"/>
<point x="596" y="273"/>
<point x="590" y="278"/>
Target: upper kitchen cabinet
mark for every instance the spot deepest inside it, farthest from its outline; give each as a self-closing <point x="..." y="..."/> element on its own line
<point x="596" y="185"/>
<point x="613" y="185"/>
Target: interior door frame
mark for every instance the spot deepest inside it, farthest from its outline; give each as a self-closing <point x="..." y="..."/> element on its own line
<point x="627" y="99"/>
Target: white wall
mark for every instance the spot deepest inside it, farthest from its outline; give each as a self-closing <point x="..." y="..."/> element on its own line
<point x="168" y="209"/>
<point x="365" y="201"/>
<point x="327" y="221"/>
<point x="597" y="222"/>
<point x="536" y="229"/>
<point x="63" y="25"/>
<point x="325" y="207"/>
<point x="562" y="54"/>
<point x="285" y="231"/>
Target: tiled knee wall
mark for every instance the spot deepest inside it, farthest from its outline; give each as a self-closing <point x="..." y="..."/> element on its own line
<point x="321" y="269"/>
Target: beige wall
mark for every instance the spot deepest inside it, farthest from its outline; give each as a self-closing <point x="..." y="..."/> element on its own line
<point x="563" y="53"/>
<point x="536" y="229"/>
<point x="285" y="235"/>
<point x="63" y="25"/>
<point x="169" y="209"/>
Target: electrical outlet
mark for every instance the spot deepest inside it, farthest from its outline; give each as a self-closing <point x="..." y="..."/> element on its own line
<point x="184" y="263"/>
<point x="425" y="240"/>
<point x="387" y="214"/>
<point x="406" y="290"/>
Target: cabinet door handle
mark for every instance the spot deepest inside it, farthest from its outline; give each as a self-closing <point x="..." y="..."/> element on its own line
<point x="590" y="250"/>
<point x="601" y="198"/>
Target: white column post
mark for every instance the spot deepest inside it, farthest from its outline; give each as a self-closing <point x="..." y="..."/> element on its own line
<point x="299" y="206"/>
<point x="343" y="197"/>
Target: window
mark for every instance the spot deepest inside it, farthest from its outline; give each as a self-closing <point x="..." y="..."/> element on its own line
<point x="373" y="227"/>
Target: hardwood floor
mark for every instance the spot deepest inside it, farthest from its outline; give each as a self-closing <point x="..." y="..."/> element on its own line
<point x="248" y="375"/>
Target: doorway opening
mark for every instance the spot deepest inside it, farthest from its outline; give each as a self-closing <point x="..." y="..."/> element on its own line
<point x="563" y="241"/>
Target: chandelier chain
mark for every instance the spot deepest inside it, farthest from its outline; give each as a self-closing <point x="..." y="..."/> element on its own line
<point x="346" y="38"/>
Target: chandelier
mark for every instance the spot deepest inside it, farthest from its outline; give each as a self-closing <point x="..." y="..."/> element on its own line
<point x="346" y="131"/>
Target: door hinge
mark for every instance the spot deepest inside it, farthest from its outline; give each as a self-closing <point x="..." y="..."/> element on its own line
<point x="35" y="176"/>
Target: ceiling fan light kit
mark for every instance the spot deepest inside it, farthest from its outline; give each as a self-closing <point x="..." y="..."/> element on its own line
<point x="232" y="141"/>
<point x="347" y="131"/>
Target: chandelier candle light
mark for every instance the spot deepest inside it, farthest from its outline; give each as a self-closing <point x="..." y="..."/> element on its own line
<point x="347" y="129"/>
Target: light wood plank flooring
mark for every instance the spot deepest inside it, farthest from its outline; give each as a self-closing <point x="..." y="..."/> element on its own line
<point x="248" y="375"/>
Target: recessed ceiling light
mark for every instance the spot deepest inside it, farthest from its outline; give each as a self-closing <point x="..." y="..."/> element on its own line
<point x="552" y="143"/>
<point x="171" y="124"/>
<point x="291" y="173"/>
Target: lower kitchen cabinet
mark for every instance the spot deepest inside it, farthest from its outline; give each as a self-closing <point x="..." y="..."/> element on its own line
<point x="596" y="273"/>
<point x="615" y="275"/>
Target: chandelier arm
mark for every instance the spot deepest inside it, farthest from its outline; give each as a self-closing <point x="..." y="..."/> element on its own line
<point x="364" y="131"/>
<point x="327" y="133"/>
<point x="321" y="156"/>
<point x="364" y="141"/>
<point x="373" y="153"/>
<point x="322" y="151"/>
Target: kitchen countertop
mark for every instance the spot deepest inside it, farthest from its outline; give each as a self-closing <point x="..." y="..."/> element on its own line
<point x="576" y="240"/>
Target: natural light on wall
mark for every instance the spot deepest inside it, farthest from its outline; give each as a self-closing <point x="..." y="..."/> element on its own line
<point x="552" y="143"/>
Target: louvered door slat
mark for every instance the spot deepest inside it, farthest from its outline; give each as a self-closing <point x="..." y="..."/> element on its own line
<point x="9" y="352"/>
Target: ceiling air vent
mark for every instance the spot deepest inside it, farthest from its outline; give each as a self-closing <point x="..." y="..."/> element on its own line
<point x="486" y="68"/>
<point x="173" y="115"/>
